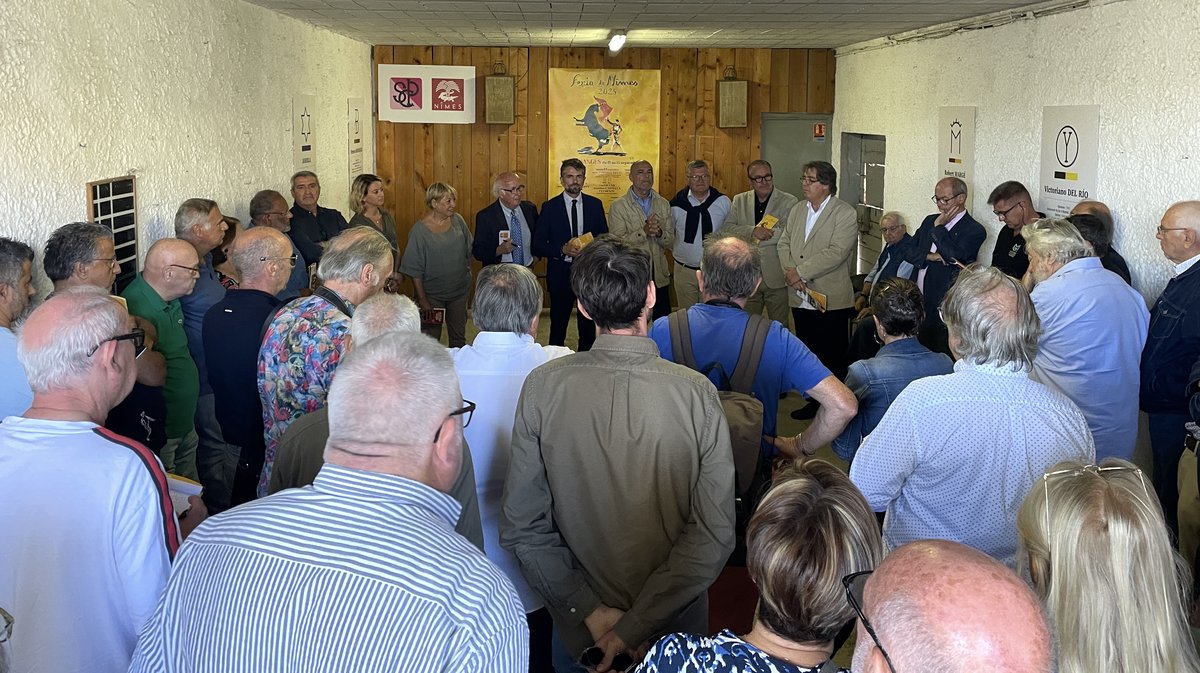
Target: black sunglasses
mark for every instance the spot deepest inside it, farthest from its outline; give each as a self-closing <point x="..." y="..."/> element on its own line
<point x="466" y="412"/>
<point x="137" y="336"/>
<point x="854" y="584"/>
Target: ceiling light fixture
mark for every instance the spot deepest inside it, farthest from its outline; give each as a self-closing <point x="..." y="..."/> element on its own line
<point x="615" y="41"/>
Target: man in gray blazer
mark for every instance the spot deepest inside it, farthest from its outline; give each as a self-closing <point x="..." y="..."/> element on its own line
<point x="759" y="216"/>
<point x="816" y="252"/>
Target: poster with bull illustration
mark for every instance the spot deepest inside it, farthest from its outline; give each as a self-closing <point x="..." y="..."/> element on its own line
<point x="607" y="119"/>
<point x="427" y="94"/>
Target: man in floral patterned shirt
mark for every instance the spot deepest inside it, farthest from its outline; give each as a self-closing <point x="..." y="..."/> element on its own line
<point x="305" y="341"/>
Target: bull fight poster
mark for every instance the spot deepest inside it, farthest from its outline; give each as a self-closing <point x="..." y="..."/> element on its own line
<point x="607" y="119"/>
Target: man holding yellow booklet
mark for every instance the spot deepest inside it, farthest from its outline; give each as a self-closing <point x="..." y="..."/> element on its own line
<point x="754" y="216"/>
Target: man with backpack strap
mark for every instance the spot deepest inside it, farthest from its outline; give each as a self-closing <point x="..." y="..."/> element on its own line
<point x="730" y="272"/>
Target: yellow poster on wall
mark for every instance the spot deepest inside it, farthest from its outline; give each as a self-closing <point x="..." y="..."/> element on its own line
<point x="607" y="119"/>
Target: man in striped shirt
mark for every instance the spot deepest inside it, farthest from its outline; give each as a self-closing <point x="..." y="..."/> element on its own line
<point x="362" y="571"/>
<point x="87" y="529"/>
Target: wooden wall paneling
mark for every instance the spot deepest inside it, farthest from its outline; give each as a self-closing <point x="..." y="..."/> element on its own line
<point x="518" y="66"/>
<point x="441" y="138"/>
<point x="668" y="101"/>
<point x="781" y="85"/>
<point x="461" y="171"/>
<point x="685" y="117"/>
<point x="798" y="77"/>
<point x="385" y="142"/>
<point x="707" y="72"/>
<point x="820" y="81"/>
<point x="760" y="95"/>
<point x="538" y="128"/>
<point x="724" y="154"/>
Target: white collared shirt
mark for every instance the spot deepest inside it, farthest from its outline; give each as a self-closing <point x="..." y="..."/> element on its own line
<point x="813" y="215"/>
<point x="579" y="208"/>
<point x="1186" y="264"/>
<point x="933" y="248"/>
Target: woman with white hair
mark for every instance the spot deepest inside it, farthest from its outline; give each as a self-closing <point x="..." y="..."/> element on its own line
<point x="1097" y="551"/>
<point x="438" y="259"/>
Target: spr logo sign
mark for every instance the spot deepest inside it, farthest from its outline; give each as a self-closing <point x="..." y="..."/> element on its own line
<point x="406" y="93"/>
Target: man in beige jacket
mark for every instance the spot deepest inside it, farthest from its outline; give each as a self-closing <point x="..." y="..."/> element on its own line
<point x="759" y="216"/>
<point x="642" y="219"/>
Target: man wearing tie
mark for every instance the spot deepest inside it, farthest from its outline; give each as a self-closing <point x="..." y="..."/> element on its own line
<point x="563" y="220"/>
<point x="504" y="229"/>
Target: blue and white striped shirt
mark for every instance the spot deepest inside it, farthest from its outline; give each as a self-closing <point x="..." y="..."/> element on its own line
<point x="359" y="572"/>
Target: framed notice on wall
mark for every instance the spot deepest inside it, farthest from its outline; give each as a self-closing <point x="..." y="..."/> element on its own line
<point x="426" y="94"/>
<point x="304" y="157"/>
<point x="1070" y="157"/>
<point x="355" y="109"/>
<point x="956" y="144"/>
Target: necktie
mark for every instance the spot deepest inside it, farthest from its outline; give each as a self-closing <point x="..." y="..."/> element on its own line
<point x="514" y="228"/>
<point x="574" y="218"/>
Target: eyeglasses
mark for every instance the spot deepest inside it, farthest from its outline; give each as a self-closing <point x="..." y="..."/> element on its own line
<point x="894" y="227"/>
<point x="466" y="412"/>
<point x="290" y="258"/>
<point x="699" y="178"/>
<point x="513" y="190"/>
<point x="593" y="655"/>
<point x="108" y="261"/>
<point x="276" y="213"/>
<point x="1161" y="229"/>
<point x="943" y="200"/>
<point x="137" y="336"/>
<point x="1003" y="214"/>
<point x="808" y="180"/>
<point x="854" y="584"/>
<point x="193" y="269"/>
<point x="762" y="178"/>
<point x="1077" y="471"/>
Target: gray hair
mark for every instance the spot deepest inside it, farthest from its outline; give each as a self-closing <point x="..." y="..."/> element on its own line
<point x="694" y="164"/>
<point x="381" y="314"/>
<point x="757" y="162"/>
<point x="305" y="174"/>
<point x="71" y="244"/>
<point x="13" y="255"/>
<point x="730" y="267"/>
<point x="1055" y="240"/>
<point x="248" y="252"/>
<point x="347" y="253"/>
<point x="59" y="358"/>
<point x="438" y="191"/>
<point x="262" y="201"/>
<point x="901" y="623"/>
<point x="958" y="187"/>
<point x="893" y="215"/>
<point x="499" y="178"/>
<point x="507" y="297"/>
<point x="992" y="317"/>
<point x="395" y="389"/>
<point x="191" y="213"/>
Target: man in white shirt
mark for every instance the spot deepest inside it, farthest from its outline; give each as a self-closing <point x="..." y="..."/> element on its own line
<point x="491" y="371"/>
<point x="16" y="292"/>
<point x="698" y="210"/>
<point x="86" y="519"/>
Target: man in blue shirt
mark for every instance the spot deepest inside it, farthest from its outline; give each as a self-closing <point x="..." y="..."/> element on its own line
<point x="730" y="272"/>
<point x="362" y="570"/>
<point x="1093" y="331"/>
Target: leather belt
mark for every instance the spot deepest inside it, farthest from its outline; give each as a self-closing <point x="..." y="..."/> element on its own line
<point x="688" y="266"/>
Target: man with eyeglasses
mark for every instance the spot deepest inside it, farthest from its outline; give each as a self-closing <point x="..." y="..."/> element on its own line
<point x="1172" y="348"/>
<point x="170" y="272"/>
<point x="620" y="526"/>
<point x="361" y="571"/>
<point x="81" y="254"/>
<point x="941" y="606"/>
<point x="642" y="218"/>
<point x="759" y="215"/>
<point x="956" y="454"/>
<point x="1012" y="205"/>
<point x="16" y="295"/>
<point x="504" y="229"/>
<point x="86" y="519"/>
<point x="698" y="210"/>
<point x="893" y="262"/>
<point x="233" y="330"/>
<point x="946" y="242"/>
<point x="268" y="208"/>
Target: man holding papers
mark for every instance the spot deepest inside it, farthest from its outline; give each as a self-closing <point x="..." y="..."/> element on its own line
<point x="758" y="216"/>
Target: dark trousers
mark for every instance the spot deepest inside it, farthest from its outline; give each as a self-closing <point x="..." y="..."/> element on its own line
<point x="1166" y="445"/>
<point x="662" y="302"/>
<point x="827" y="335"/>
<point x="864" y="343"/>
<point x="541" y="637"/>
<point x="562" y="300"/>
<point x="933" y="335"/>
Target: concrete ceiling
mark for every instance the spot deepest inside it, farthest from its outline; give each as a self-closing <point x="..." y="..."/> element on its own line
<point x="703" y="23"/>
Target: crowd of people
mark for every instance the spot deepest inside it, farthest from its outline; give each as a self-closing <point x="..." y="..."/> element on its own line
<point x="372" y="500"/>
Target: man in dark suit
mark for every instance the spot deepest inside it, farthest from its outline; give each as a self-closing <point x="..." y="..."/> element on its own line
<point x="563" y="220"/>
<point x="947" y="241"/>
<point x="504" y="230"/>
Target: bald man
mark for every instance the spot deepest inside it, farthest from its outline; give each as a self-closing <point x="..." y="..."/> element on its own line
<point x="942" y="606"/>
<point x="1100" y="236"/>
<point x="1172" y="348"/>
<point x="233" y="328"/>
<point x="170" y="272"/>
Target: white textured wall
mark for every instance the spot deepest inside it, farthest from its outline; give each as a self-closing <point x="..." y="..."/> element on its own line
<point x="193" y="97"/>
<point x="1136" y="59"/>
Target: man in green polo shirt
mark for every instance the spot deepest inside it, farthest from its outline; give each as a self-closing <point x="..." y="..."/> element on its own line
<point x="169" y="273"/>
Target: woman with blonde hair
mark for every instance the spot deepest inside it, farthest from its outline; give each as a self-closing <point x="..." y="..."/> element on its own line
<point x="1097" y="551"/>
<point x="366" y="203"/>
<point x="438" y="259"/>
<point x="811" y="530"/>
